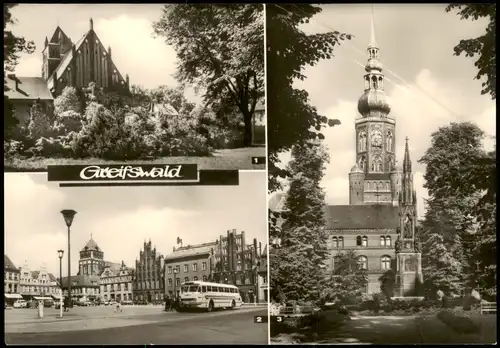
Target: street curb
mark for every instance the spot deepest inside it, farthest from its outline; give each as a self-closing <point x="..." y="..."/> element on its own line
<point x="41" y="321"/>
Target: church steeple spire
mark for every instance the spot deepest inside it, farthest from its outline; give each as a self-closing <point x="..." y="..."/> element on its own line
<point x="406" y="160"/>
<point x="373" y="42"/>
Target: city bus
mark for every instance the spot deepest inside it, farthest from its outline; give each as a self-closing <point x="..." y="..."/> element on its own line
<point x="208" y="296"/>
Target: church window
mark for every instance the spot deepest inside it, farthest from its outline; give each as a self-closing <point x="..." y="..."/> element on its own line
<point x="362" y="262"/>
<point x="358" y="241"/>
<point x="364" y="241"/>
<point x="385" y="262"/>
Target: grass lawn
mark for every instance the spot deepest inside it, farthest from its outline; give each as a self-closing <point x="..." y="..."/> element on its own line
<point x="221" y="159"/>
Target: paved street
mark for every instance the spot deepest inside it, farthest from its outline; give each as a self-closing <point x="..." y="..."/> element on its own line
<point x="136" y="325"/>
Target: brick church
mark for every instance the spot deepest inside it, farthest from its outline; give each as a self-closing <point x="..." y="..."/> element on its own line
<point x="379" y="222"/>
<point x="66" y="63"/>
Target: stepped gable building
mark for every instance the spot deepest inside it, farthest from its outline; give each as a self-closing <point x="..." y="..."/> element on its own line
<point x="116" y="282"/>
<point x="379" y="222"/>
<point x="148" y="276"/>
<point x="34" y="284"/>
<point x="66" y="63"/>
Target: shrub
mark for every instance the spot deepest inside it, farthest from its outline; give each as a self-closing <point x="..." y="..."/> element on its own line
<point x="68" y="121"/>
<point x="51" y="147"/>
<point x="458" y="323"/>
<point x="40" y="124"/>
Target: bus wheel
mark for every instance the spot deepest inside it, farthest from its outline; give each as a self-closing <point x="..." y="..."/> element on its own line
<point x="210" y="306"/>
<point x="233" y="304"/>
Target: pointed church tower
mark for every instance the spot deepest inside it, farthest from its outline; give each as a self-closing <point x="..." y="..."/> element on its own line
<point x="370" y="179"/>
<point x="409" y="259"/>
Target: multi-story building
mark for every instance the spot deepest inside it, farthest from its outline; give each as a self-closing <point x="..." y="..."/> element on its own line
<point x="262" y="278"/>
<point x="37" y="283"/>
<point x="236" y="263"/>
<point x="116" y="283"/>
<point x="11" y="277"/>
<point x="85" y="284"/>
<point x="66" y="63"/>
<point x="191" y="262"/>
<point x="148" y="281"/>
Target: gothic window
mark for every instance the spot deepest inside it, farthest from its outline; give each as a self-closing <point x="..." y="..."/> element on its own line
<point x="389" y="141"/>
<point x="362" y="142"/>
<point x="358" y="241"/>
<point x="385" y="262"/>
<point x="364" y="241"/>
<point x="362" y="262"/>
<point x="377" y="164"/>
<point x="362" y="163"/>
<point x="186" y="268"/>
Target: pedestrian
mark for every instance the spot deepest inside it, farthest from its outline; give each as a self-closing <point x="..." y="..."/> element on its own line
<point x="119" y="307"/>
<point x="166" y="304"/>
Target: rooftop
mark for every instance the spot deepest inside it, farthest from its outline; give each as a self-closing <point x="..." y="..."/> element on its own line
<point x="376" y="216"/>
<point x="27" y="88"/>
<point x="9" y="265"/>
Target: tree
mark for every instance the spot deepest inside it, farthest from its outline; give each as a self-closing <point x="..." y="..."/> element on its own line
<point x="13" y="45"/>
<point x="68" y="100"/>
<point x="456" y="186"/>
<point x="348" y="280"/>
<point x="484" y="46"/>
<point x="40" y="124"/>
<point x="174" y="97"/>
<point x="289" y="50"/>
<point x="298" y="265"/>
<point x="220" y="50"/>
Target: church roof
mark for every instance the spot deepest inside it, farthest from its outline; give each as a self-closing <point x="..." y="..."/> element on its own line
<point x="377" y="216"/>
<point x="204" y="250"/>
<point x="114" y="266"/>
<point x="27" y="88"/>
<point x="8" y="264"/>
<point x="91" y="245"/>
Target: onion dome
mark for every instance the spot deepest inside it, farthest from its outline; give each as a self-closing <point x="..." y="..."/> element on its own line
<point x="373" y="100"/>
<point x="356" y="169"/>
<point x="373" y="64"/>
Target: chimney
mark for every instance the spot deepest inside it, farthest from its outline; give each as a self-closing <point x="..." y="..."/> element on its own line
<point x="255" y="247"/>
<point x="243" y="242"/>
<point x="91" y="23"/>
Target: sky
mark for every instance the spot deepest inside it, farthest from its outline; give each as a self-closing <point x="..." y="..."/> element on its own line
<point x="126" y="28"/>
<point x="120" y="219"/>
<point x="428" y="87"/>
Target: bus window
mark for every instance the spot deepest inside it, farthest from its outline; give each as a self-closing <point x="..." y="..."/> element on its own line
<point x="221" y="289"/>
<point x="203" y="288"/>
<point x="226" y="289"/>
<point x="234" y="291"/>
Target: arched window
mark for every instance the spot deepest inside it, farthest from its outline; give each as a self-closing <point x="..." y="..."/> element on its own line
<point x="341" y="242"/>
<point x="382" y="241"/>
<point x="195" y="278"/>
<point x="385" y="262"/>
<point x="388" y="241"/>
<point x="364" y="241"/>
<point x="204" y="278"/>
<point x="186" y="279"/>
<point x="362" y="262"/>
<point x="358" y="241"/>
<point x="169" y="281"/>
<point x="335" y="242"/>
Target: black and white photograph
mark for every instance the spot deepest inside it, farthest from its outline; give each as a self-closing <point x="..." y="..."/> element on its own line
<point x="148" y="83"/>
<point x="135" y="265"/>
<point x="382" y="170"/>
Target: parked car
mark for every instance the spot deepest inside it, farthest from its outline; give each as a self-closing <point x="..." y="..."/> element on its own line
<point x="57" y="305"/>
<point x="21" y="304"/>
<point x="128" y="302"/>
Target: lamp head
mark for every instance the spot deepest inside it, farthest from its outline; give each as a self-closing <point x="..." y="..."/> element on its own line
<point x="60" y="253"/>
<point x="68" y="215"/>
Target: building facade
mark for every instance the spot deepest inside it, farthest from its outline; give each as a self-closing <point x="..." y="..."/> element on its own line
<point x="262" y="278"/>
<point x="116" y="283"/>
<point x="148" y="276"/>
<point x="236" y="263"/>
<point x="379" y="222"/>
<point x="11" y="277"/>
<point x="37" y="283"/>
<point x="188" y="263"/>
<point x="66" y="63"/>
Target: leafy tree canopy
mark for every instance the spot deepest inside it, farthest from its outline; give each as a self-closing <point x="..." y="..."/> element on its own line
<point x="483" y="46"/>
<point x="220" y="50"/>
<point x="292" y="119"/>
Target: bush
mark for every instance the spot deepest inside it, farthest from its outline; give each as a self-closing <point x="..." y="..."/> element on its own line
<point x="51" y="147"/>
<point x="458" y="323"/>
<point x="68" y="121"/>
<point x="13" y="148"/>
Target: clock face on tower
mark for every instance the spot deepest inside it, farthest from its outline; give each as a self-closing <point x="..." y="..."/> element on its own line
<point x="376" y="138"/>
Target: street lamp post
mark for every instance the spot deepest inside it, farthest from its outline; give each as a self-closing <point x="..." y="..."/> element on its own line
<point x="60" y="253"/>
<point x="68" y="215"/>
<point x="175" y="282"/>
